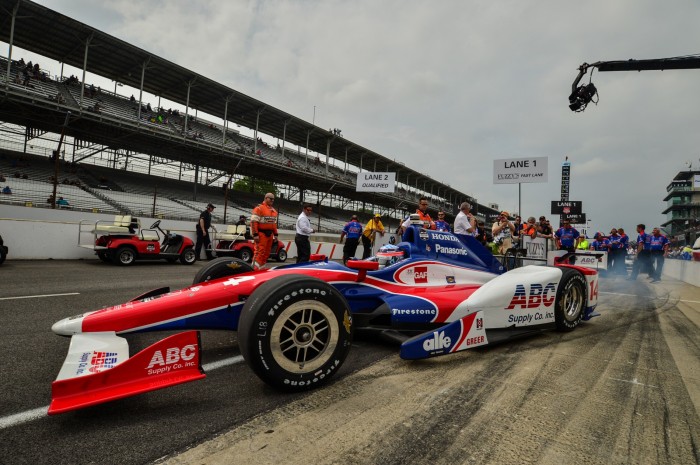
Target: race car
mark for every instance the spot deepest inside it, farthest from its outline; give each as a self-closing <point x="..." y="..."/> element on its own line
<point x="438" y="293"/>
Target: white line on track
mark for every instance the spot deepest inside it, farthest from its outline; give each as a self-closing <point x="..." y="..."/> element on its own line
<point x="39" y="296"/>
<point x="648" y="297"/>
<point x="35" y="414"/>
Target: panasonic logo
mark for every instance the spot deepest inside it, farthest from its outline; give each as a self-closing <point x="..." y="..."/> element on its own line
<point x="449" y="250"/>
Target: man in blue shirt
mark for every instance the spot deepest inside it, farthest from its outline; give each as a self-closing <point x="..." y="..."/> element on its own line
<point x="601" y="243"/>
<point x="442" y="225"/>
<point x="658" y="247"/>
<point x="616" y="257"/>
<point x="642" y="263"/>
<point x="567" y="237"/>
<point x="353" y="231"/>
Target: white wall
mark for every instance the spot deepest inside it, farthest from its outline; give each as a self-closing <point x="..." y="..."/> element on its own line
<point x="683" y="270"/>
<point x="41" y="233"/>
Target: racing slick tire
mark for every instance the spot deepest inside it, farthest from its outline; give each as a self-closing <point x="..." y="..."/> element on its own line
<point x="246" y="255"/>
<point x="187" y="257"/>
<point x="295" y="332"/>
<point x="571" y="300"/>
<point x="125" y="256"/>
<point x="282" y="255"/>
<point x="221" y="268"/>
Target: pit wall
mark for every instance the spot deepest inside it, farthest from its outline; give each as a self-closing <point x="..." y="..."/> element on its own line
<point x="41" y="234"/>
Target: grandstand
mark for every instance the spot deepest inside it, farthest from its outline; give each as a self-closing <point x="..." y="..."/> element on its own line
<point x="122" y="155"/>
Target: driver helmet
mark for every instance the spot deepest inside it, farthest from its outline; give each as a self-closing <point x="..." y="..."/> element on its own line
<point x="415" y="219"/>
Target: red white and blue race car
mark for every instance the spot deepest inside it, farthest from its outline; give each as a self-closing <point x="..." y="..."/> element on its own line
<point x="438" y="293"/>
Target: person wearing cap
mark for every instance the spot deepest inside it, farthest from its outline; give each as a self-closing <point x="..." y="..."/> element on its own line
<point x="202" y="229"/>
<point x="502" y="231"/>
<point x="600" y="243"/>
<point x="303" y="231"/>
<point x="352" y="232"/>
<point x="263" y="225"/>
<point x="567" y="237"/>
<point x="465" y="223"/>
<point x="373" y="227"/>
<point x="242" y="221"/>
<point x="616" y="257"/>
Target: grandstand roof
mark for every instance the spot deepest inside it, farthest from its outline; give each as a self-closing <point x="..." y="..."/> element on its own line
<point x="56" y="36"/>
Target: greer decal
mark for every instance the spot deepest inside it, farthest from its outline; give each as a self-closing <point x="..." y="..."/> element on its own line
<point x="534" y="297"/>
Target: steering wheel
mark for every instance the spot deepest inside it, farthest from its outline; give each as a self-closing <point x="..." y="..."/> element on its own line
<point x="155" y="225"/>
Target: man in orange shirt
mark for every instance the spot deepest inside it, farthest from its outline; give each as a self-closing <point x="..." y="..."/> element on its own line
<point x="422" y="213"/>
<point x="263" y="225"/>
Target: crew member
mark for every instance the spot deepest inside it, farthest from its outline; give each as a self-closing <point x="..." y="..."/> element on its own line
<point x="465" y="223"/>
<point x="423" y="215"/>
<point x="202" y="228"/>
<point x="352" y="231"/>
<point x="658" y="248"/>
<point x="643" y="262"/>
<point x="567" y="237"/>
<point x="616" y="257"/>
<point x="304" y="230"/>
<point x="263" y="225"/>
<point x="440" y="224"/>
<point x="373" y="227"/>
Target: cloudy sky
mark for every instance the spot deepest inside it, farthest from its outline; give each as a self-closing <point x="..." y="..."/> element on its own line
<point x="448" y="86"/>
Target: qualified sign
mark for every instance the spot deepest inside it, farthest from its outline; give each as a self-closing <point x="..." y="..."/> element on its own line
<point x="375" y="182"/>
<point x="520" y="170"/>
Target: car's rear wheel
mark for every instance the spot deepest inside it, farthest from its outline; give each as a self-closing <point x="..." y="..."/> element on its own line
<point x="125" y="255"/>
<point x="187" y="257"/>
<point x="282" y="255"/>
<point x="295" y="332"/>
<point x="571" y="300"/>
<point x="246" y="254"/>
<point x="221" y="268"/>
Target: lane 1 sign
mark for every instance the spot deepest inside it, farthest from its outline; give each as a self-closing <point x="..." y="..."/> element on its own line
<point x="566" y="207"/>
<point x="578" y="218"/>
<point x="520" y="170"/>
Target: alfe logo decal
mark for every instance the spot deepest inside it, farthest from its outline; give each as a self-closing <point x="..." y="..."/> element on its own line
<point x="172" y="359"/>
<point x="420" y="275"/>
<point x="537" y="295"/>
<point x="438" y="342"/>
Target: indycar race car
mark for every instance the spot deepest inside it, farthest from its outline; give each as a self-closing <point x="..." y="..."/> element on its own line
<point x="438" y="293"/>
<point x="121" y="244"/>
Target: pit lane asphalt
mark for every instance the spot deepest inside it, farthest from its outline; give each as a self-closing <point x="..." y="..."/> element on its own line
<point x="131" y="431"/>
<point x="623" y="388"/>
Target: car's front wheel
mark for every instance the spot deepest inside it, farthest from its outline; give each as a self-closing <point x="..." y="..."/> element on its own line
<point x="125" y="255"/>
<point x="295" y="332"/>
<point x="221" y="268"/>
<point x="187" y="257"/>
<point x="571" y="300"/>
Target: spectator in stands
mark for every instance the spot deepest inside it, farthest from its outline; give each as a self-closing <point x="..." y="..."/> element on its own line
<point x="26" y="76"/>
<point x="7" y="190"/>
<point x="2" y="178"/>
<point x="61" y="202"/>
<point x="353" y="231"/>
<point x="442" y="225"/>
<point x="202" y="229"/>
<point x="373" y="227"/>
<point x="132" y="99"/>
<point x="263" y="224"/>
<point x="303" y="231"/>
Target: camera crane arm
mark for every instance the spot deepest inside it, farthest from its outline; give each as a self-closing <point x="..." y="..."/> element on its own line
<point x="583" y="95"/>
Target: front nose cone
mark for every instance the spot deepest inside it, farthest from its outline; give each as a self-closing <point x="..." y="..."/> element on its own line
<point x="69" y="326"/>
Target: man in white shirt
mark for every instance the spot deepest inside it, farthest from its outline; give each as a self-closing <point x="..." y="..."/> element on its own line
<point x="465" y="223"/>
<point x="304" y="230"/>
